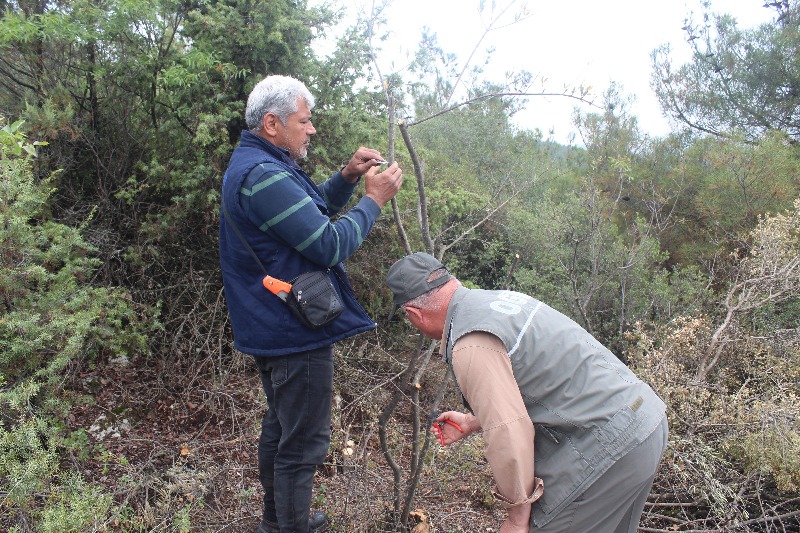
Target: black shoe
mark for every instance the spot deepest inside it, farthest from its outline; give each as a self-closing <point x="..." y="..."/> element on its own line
<point x="317" y="523"/>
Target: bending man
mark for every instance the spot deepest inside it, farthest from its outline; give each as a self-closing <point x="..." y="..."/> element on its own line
<point x="573" y="437"/>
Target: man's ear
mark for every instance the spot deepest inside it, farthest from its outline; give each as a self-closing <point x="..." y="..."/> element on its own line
<point x="414" y="314"/>
<point x="270" y="124"/>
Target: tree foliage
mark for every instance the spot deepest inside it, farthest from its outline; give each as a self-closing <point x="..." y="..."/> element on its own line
<point x="142" y="103"/>
<point x="768" y="274"/>
<point x="53" y="318"/>
<point x="738" y="80"/>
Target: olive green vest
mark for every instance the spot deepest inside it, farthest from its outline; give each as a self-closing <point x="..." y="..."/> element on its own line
<point x="587" y="407"/>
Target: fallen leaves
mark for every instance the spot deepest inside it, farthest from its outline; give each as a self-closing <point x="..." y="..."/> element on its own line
<point x="424" y="525"/>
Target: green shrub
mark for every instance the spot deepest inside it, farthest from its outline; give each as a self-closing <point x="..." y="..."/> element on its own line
<point x="52" y="318"/>
<point x="75" y="506"/>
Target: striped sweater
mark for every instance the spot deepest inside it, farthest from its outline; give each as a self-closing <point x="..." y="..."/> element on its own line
<point x="285" y="217"/>
<point x="272" y="200"/>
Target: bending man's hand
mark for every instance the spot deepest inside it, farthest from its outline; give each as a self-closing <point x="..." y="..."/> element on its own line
<point x="447" y="434"/>
<point x="382" y="187"/>
<point x="518" y="520"/>
<point x="363" y="160"/>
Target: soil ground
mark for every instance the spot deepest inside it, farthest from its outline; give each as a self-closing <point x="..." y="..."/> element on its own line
<point x="176" y="446"/>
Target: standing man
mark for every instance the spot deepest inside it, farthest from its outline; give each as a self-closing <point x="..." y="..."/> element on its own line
<point x="285" y="218"/>
<point x="538" y="382"/>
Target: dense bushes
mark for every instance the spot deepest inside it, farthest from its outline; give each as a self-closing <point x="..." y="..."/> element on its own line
<point x="53" y="321"/>
<point x="734" y="425"/>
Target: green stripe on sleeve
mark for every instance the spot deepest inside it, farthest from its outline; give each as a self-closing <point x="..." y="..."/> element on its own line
<point x="288" y="212"/>
<point x="359" y="237"/>
<point x="313" y="237"/>
<point x="261" y="185"/>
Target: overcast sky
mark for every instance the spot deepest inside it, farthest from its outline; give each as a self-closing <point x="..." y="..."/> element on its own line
<point x="589" y="42"/>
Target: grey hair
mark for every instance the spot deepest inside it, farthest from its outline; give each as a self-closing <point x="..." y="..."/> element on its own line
<point x="277" y="95"/>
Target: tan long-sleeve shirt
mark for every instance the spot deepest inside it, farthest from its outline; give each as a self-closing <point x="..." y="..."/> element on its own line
<point x="483" y="370"/>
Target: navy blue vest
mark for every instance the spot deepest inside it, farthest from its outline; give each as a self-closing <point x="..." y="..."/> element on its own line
<point x="262" y="324"/>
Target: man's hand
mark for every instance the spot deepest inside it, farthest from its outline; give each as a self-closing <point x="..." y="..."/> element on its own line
<point x="363" y="160"/>
<point x="518" y="520"/>
<point x="448" y="434"/>
<point x="509" y="527"/>
<point x="382" y="187"/>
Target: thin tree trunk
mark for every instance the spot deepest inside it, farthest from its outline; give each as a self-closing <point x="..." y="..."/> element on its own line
<point x="422" y="209"/>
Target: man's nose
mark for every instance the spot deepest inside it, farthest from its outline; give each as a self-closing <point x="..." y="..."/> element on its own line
<point x="310" y="130"/>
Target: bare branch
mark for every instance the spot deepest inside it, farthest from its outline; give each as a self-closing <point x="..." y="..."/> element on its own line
<point x="422" y="206"/>
<point x="486" y="31"/>
<point x="401" y="231"/>
<point x="580" y="98"/>
<point x="475" y="226"/>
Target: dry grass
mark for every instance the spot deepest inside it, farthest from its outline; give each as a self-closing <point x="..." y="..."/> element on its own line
<point x="175" y="443"/>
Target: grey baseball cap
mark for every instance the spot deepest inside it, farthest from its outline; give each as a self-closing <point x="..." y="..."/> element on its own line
<point x="408" y="278"/>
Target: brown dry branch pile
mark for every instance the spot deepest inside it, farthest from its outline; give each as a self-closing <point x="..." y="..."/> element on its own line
<point x="179" y="439"/>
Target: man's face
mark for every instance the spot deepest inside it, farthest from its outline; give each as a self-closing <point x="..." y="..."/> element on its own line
<point x="296" y="134"/>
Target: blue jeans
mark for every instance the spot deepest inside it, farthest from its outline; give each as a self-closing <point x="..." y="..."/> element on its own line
<point x="295" y="433"/>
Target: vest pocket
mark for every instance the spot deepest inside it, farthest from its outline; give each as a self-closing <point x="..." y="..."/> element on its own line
<point x="613" y="436"/>
<point x="560" y="465"/>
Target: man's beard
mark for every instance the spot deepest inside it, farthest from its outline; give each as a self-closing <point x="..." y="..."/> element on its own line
<point x="301" y="154"/>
